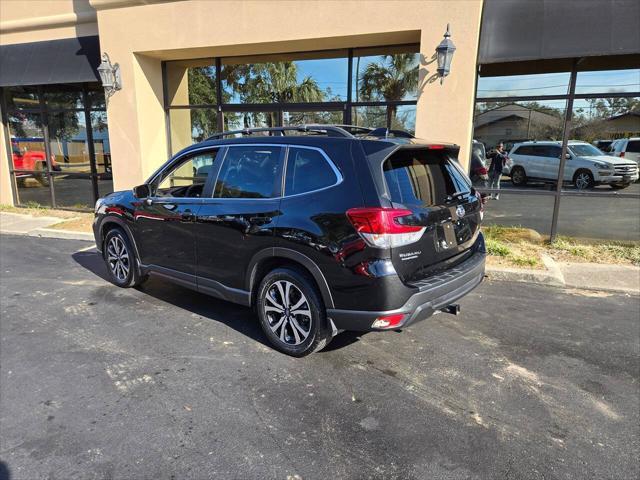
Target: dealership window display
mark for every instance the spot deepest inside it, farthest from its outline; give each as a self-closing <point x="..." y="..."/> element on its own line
<point x="58" y="143"/>
<point x="598" y="110"/>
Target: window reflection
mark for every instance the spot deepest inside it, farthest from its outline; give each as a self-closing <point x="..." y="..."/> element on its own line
<point x="22" y="98"/>
<point x="189" y="126"/>
<point x="389" y="74"/>
<point x="27" y="141"/>
<point x="68" y="141"/>
<point x="63" y="96"/>
<point x="319" y="117"/>
<point x="73" y="191"/>
<point x="285" y="78"/>
<point x="101" y="146"/>
<point x="523" y="85"/>
<point x="33" y="189"/>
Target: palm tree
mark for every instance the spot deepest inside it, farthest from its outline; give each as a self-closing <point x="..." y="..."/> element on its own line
<point x="391" y="79"/>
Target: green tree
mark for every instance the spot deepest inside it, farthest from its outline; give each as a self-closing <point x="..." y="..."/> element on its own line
<point x="391" y="79"/>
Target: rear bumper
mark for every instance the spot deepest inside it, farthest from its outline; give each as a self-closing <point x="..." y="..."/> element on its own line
<point x="434" y="293"/>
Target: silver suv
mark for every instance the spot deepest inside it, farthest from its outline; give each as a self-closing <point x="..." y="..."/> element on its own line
<point x="628" y="148"/>
<point x="585" y="167"/>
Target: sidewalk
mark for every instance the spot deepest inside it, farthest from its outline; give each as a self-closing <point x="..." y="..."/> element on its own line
<point x="20" y="224"/>
<point x="589" y="276"/>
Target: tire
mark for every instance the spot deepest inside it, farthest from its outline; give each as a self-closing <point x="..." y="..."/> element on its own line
<point x="120" y="260"/>
<point x="583" y="180"/>
<point x="619" y="186"/>
<point x="41" y="175"/>
<point x="518" y="177"/>
<point x="281" y="330"/>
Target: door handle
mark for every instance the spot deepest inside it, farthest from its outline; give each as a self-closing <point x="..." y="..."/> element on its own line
<point x="260" y="220"/>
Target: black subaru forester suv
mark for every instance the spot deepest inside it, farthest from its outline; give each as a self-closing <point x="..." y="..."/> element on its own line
<point x="319" y="228"/>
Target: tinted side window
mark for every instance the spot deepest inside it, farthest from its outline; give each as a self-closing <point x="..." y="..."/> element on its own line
<point x="307" y="170"/>
<point x="554" y="152"/>
<point x="538" y="150"/>
<point x="524" y="150"/>
<point x="250" y="172"/>
<point x="634" y="146"/>
<point x="187" y="179"/>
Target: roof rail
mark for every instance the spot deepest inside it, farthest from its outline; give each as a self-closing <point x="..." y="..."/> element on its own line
<point x="386" y="132"/>
<point x="329" y="130"/>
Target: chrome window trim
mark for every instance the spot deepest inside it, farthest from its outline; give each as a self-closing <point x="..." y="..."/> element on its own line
<point x="338" y="174"/>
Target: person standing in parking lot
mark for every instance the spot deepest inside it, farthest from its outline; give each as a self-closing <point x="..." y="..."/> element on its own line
<point x="498" y="162"/>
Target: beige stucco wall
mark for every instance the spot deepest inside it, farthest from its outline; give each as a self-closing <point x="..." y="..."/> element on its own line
<point x="6" y="197"/>
<point x="139" y="37"/>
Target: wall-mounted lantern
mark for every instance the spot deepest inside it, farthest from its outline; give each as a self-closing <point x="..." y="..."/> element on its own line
<point x="444" y="52"/>
<point x="110" y="76"/>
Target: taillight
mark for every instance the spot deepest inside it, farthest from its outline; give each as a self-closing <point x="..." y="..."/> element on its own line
<point x="621" y="154"/>
<point x="380" y="227"/>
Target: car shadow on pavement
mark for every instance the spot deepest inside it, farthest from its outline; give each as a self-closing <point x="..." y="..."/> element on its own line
<point x="241" y="319"/>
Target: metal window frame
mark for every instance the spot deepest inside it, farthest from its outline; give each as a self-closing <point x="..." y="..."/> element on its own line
<point x="558" y="192"/>
<point x="346" y="106"/>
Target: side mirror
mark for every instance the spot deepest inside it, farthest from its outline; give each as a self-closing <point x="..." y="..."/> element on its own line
<point x="142" y="191"/>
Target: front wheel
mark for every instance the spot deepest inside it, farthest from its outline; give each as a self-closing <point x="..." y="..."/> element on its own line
<point x="120" y="259"/>
<point x="583" y="180"/>
<point x="291" y="312"/>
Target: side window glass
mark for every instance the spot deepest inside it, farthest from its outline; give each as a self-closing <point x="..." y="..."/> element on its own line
<point x="554" y="152"/>
<point x="307" y="170"/>
<point x="633" y="146"/>
<point x="250" y="172"/>
<point x="188" y="178"/>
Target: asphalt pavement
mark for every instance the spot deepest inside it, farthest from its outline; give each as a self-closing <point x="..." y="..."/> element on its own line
<point x="98" y="382"/>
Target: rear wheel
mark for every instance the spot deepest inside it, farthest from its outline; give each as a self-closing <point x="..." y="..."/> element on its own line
<point x="291" y="312"/>
<point x="518" y="176"/>
<point x="583" y="180"/>
<point x="41" y="177"/>
<point x="120" y="259"/>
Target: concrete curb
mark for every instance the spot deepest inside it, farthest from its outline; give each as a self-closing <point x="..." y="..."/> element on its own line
<point x="551" y="276"/>
<point x="61" y="234"/>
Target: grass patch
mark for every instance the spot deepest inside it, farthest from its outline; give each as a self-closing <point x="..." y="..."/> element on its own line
<point x="566" y="248"/>
<point x="497" y="248"/>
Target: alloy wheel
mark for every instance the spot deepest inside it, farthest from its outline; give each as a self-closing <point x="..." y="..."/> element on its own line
<point x="118" y="258"/>
<point x="288" y="313"/>
<point x="583" y="180"/>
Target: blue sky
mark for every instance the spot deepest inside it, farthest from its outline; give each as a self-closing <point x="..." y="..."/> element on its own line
<point x="557" y="83"/>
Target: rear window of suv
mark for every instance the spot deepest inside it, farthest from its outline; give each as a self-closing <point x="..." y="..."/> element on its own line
<point x="634" y="146"/>
<point x="418" y="177"/>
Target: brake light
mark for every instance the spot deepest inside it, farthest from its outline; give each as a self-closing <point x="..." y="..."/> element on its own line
<point x="388" y="321"/>
<point x="621" y="154"/>
<point x="380" y="227"/>
<point x="435" y="147"/>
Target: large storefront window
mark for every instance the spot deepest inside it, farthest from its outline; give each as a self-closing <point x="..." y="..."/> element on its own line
<point x="203" y="96"/>
<point x="59" y="144"/>
<point x="528" y="114"/>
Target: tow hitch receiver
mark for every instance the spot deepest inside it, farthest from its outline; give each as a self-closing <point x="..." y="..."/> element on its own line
<point x="453" y="309"/>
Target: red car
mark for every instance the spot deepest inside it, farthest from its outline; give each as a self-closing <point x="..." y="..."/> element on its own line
<point x="31" y="161"/>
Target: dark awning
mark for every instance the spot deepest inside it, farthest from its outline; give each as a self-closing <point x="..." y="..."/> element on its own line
<point x="538" y="32"/>
<point x="69" y="60"/>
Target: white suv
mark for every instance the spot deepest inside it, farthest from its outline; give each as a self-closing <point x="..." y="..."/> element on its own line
<point x="627" y="148"/>
<point x="585" y="167"/>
